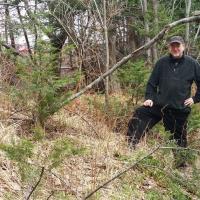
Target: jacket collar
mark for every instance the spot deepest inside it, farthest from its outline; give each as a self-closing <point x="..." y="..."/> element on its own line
<point x="172" y="59"/>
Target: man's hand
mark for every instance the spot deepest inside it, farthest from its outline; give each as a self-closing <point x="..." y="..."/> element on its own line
<point x="148" y="102"/>
<point x="189" y="102"/>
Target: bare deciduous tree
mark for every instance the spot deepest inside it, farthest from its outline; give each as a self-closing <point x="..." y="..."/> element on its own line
<point x="187" y="14"/>
<point x="146" y="27"/>
<point x="8" y="25"/>
<point x="155" y="11"/>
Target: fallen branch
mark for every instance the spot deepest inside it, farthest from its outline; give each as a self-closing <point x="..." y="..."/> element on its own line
<point x="34" y="188"/>
<point x="62" y="180"/>
<point x="189" y="188"/>
<point x="121" y="173"/>
<point x="135" y="164"/>
<point x="52" y="193"/>
<point x="54" y="174"/>
<point x="181" y="148"/>
<point x="133" y="54"/>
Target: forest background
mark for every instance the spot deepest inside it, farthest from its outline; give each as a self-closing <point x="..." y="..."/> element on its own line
<point x="72" y="72"/>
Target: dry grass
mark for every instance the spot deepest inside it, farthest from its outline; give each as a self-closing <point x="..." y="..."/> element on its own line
<point x="106" y="154"/>
<point x="77" y="175"/>
<point x="9" y="176"/>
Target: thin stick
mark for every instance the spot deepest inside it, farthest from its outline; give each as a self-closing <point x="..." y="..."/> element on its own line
<point x="52" y="193"/>
<point x="54" y="174"/>
<point x="62" y="180"/>
<point x="191" y="189"/>
<point x="34" y="188"/>
<point x="84" y="121"/>
<point x="181" y="148"/>
<point x="121" y="173"/>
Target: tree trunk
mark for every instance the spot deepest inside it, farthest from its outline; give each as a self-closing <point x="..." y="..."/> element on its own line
<point x="107" y="53"/>
<point x="35" y="27"/>
<point x="131" y="36"/>
<point x="173" y="8"/>
<point x="24" y="31"/>
<point x="187" y="29"/>
<point x="6" y="28"/>
<point x="197" y="33"/>
<point x="114" y="81"/>
<point x="146" y="26"/>
<point x="9" y="25"/>
<point x="154" y="47"/>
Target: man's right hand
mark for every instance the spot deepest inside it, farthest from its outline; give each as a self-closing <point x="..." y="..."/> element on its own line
<point x="148" y="102"/>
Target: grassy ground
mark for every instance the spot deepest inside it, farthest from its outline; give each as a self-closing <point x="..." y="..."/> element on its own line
<point x="83" y="146"/>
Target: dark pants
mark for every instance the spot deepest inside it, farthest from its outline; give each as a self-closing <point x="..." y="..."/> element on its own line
<point x="144" y="118"/>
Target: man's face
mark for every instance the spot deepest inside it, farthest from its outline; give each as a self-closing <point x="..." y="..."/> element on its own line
<point x="176" y="49"/>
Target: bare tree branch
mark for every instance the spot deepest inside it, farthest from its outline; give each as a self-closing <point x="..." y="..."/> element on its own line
<point x="32" y="16"/>
<point x="25" y="32"/>
<point x="52" y="193"/>
<point x="34" y="188"/>
<point x="135" y="164"/>
<point x="187" y="187"/>
<point x="99" y="14"/>
<point x="121" y="173"/>
<point x="107" y="52"/>
<point x="181" y="148"/>
<point x="9" y="26"/>
<point x="53" y="173"/>
<point x="187" y="14"/>
<point x="197" y="33"/>
<point x="67" y="30"/>
<point x="135" y="53"/>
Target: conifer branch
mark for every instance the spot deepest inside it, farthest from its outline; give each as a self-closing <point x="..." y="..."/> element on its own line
<point x="13" y="51"/>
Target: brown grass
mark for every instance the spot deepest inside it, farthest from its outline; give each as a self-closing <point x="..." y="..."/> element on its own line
<point x="106" y="154"/>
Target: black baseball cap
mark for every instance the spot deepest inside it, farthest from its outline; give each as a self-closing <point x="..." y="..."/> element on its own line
<point x="177" y="39"/>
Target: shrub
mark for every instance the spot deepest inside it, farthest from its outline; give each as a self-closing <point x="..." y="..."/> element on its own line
<point x="41" y="91"/>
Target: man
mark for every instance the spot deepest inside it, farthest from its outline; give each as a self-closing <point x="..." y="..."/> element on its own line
<point x="168" y="95"/>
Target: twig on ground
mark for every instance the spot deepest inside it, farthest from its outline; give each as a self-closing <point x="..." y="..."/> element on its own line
<point x="57" y="176"/>
<point x="84" y="121"/>
<point x="34" y="188"/>
<point x="63" y="181"/>
<point x="181" y="148"/>
<point x="121" y="173"/>
<point x="52" y="193"/>
<point x="189" y="188"/>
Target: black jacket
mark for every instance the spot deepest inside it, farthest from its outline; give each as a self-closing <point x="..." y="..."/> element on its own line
<point x="171" y="80"/>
